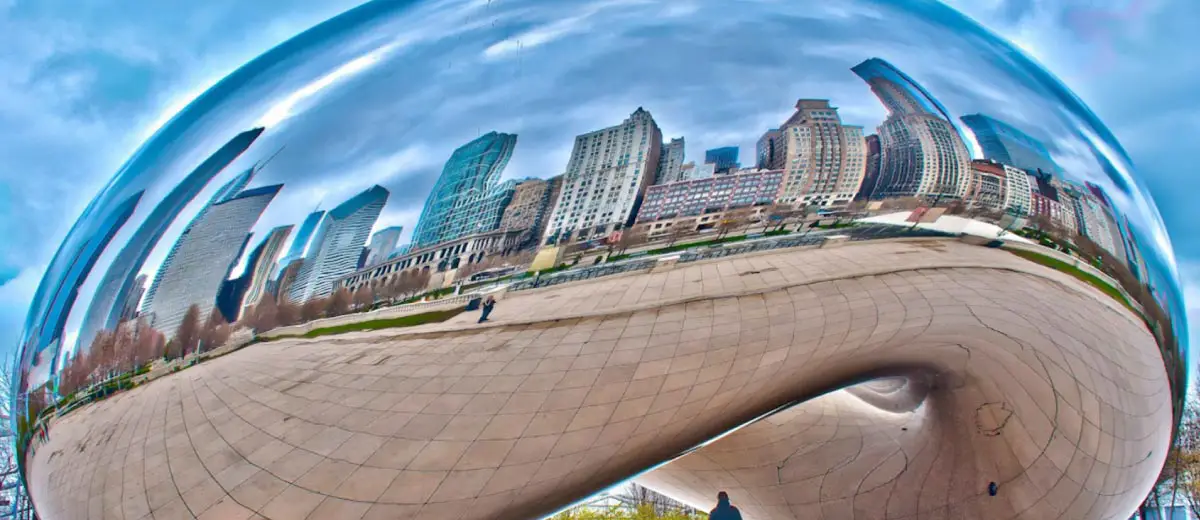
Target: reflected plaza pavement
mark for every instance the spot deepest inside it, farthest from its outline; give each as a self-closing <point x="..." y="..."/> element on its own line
<point x="987" y="368"/>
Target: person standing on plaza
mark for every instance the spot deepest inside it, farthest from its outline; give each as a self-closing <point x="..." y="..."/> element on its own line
<point x="724" y="510"/>
<point x="488" y="304"/>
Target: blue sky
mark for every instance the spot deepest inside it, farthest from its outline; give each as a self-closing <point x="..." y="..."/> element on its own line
<point x="86" y="82"/>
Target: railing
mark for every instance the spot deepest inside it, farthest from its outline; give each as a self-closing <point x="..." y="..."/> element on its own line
<point x="741" y="248"/>
<point x="585" y="273"/>
<point x="854" y="233"/>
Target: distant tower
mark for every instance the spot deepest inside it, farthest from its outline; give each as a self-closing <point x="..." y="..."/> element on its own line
<point x="1004" y="143"/>
<point x="337" y="244"/>
<point x="383" y="242"/>
<point x="53" y="322"/>
<point x="203" y="257"/>
<point x="824" y="160"/>
<point x="468" y="197"/>
<point x="114" y="288"/>
<point x="262" y="265"/>
<point x="671" y="162"/>
<point x="770" y="151"/>
<point x="231" y="188"/>
<point x="302" y="237"/>
<point x="606" y="179"/>
<point x="923" y="153"/>
<point x="724" y="159"/>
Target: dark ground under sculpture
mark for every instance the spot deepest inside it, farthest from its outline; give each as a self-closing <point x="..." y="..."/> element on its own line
<point x="994" y="369"/>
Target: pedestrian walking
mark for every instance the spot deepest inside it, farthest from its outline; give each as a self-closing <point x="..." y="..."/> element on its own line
<point x="488" y="304"/>
<point x="724" y="510"/>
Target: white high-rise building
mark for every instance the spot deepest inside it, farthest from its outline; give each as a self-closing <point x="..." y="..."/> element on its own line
<point x="922" y="155"/>
<point x="264" y="265"/>
<point x="337" y="244"/>
<point x="383" y="242"/>
<point x="1094" y="221"/>
<point x="606" y="178"/>
<point x="1018" y="191"/>
<point x="824" y="160"/>
<point x="202" y="257"/>
<point x="670" y="167"/>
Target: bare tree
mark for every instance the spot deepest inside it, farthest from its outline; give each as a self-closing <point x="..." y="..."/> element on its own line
<point x="215" y="333"/>
<point x="103" y="352"/>
<point x="288" y="313"/>
<point x="364" y="297"/>
<point x="339" y="302"/>
<point x="313" y="309"/>
<point x="265" y="314"/>
<point x="733" y="220"/>
<point x="149" y="343"/>
<point x="676" y="232"/>
<point x="188" y="333"/>
<point x="125" y="348"/>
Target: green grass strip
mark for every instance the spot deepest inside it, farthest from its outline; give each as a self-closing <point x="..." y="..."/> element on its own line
<point x="1084" y="276"/>
<point x="386" y="323"/>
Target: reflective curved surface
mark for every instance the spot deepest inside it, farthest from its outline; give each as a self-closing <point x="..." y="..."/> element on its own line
<point x="277" y="305"/>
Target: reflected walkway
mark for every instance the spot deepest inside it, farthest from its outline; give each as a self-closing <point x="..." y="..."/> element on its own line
<point x="1036" y="381"/>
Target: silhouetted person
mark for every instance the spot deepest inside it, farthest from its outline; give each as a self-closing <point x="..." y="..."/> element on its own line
<point x="488" y="304"/>
<point x="724" y="511"/>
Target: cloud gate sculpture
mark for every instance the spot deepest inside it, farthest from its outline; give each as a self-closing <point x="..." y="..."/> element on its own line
<point x="484" y="259"/>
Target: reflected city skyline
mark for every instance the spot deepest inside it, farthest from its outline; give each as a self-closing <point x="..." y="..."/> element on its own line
<point x="264" y="207"/>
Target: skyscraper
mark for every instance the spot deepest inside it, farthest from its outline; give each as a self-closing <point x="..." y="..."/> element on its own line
<point x="54" y="320"/>
<point x="825" y="161"/>
<point x="337" y="244"/>
<point x="769" y="150"/>
<point x="1004" y="143"/>
<point x="468" y="197"/>
<point x="113" y="290"/>
<point x="383" y="242"/>
<point x="872" y="172"/>
<point x="227" y="192"/>
<point x="130" y="309"/>
<point x="606" y="178"/>
<point x="900" y="94"/>
<point x="203" y="257"/>
<point x="724" y="159"/>
<point x="262" y="265"/>
<point x="923" y="153"/>
<point x="301" y="239"/>
<point x="670" y="162"/>
<point x="530" y="207"/>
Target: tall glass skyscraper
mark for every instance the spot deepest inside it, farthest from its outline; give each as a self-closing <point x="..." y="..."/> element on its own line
<point x="337" y="244"/>
<point x="202" y="257"/>
<point x="724" y="159"/>
<point x="383" y="242"/>
<point x="113" y="290"/>
<point x="302" y="238"/>
<point x="1004" y="143"/>
<point x="262" y="265"/>
<point x="53" y="321"/>
<point x="227" y="192"/>
<point x="467" y="197"/>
